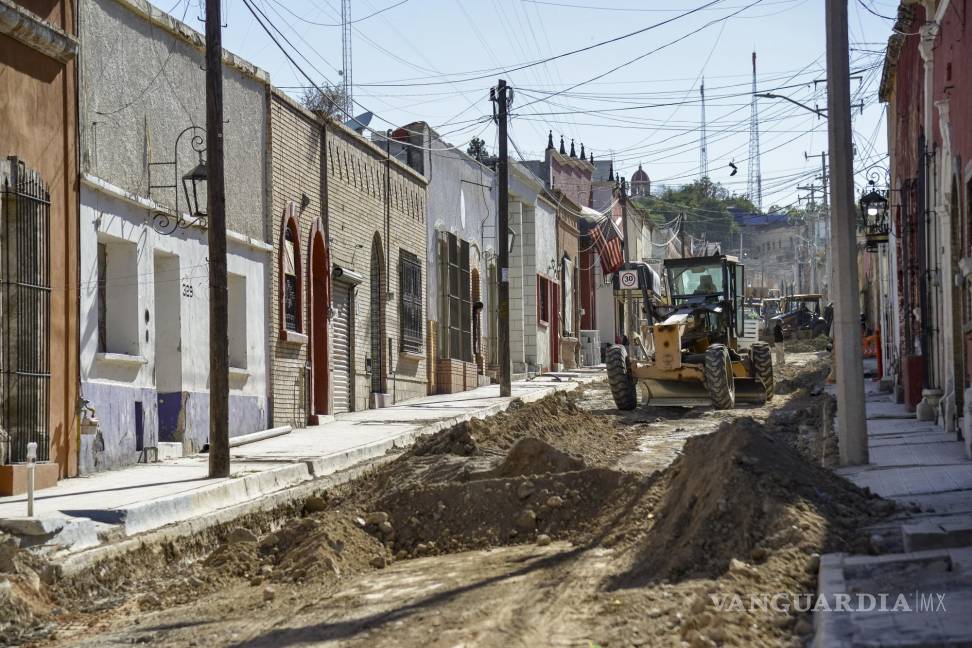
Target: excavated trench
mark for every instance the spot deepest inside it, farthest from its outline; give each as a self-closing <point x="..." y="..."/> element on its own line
<point x="540" y="473"/>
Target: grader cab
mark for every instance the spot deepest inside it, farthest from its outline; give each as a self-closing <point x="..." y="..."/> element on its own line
<point x="686" y="348"/>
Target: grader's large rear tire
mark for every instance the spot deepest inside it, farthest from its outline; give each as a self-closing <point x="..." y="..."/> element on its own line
<point x="718" y="377"/>
<point x="763" y="367"/>
<point x="623" y="387"/>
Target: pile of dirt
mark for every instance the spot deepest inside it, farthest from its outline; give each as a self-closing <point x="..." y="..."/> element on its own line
<point x="481" y="448"/>
<point x="742" y="493"/>
<point x="323" y="545"/>
<point x="313" y="547"/>
<point x="819" y="343"/>
<point x="480" y="513"/>
<point x="555" y="419"/>
<point x="25" y="604"/>
<point x="531" y="456"/>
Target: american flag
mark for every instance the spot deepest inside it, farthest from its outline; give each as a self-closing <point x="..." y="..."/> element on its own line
<point x="607" y="239"/>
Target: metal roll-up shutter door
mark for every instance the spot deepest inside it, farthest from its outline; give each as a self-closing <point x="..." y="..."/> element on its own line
<point x="341" y="351"/>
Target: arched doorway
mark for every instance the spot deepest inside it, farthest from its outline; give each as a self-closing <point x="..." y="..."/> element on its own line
<point x="377" y="314"/>
<point x="320" y="301"/>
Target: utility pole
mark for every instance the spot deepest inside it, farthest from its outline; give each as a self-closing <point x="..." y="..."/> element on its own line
<point x="851" y="420"/>
<point x="630" y="324"/>
<point x="499" y="94"/>
<point x="812" y="234"/>
<point x="219" y="459"/>
<point x="824" y="213"/>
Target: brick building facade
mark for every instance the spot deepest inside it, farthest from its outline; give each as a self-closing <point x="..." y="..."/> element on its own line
<point x="347" y="321"/>
<point x="376" y="213"/>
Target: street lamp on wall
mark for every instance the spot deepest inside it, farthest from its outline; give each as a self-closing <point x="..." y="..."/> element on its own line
<point x="193" y="185"/>
<point x="874" y="205"/>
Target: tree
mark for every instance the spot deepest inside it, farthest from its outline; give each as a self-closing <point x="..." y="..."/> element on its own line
<point x="477" y="150"/>
<point x="705" y="206"/>
<point x="328" y="101"/>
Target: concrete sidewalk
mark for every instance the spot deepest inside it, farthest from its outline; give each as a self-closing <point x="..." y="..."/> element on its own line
<point x="926" y="547"/>
<point x="86" y="511"/>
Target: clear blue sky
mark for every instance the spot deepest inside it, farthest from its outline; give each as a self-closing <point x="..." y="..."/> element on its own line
<point x="627" y="114"/>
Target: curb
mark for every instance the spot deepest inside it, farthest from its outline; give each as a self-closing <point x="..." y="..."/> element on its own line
<point x="185" y="514"/>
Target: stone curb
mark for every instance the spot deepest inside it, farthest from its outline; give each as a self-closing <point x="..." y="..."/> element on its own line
<point x="185" y="514"/>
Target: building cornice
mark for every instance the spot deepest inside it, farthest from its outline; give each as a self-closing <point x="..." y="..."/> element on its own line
<point x="98" y="184"/>
<point x="896" y="41"/>
<point x="34" y="32"/>
<point x="330" y="122"/>
<point x="190" y="36"/>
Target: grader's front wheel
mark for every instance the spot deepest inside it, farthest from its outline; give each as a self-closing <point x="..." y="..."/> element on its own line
<point x="763" y="367"/>
<point x="623" y="387"/>
<point x="718" y="377"/>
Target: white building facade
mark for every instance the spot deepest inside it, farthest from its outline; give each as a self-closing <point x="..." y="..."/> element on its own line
<point x="144" y="286"/>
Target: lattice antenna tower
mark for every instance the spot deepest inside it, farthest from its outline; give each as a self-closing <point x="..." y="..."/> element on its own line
<point x="703" y="145"/>
<point x="347" y="85"/>
<point x="755" y="184"/>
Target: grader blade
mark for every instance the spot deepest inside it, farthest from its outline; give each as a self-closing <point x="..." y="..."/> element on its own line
<point x="750" y="390"/>
<point x="675" y="393"/>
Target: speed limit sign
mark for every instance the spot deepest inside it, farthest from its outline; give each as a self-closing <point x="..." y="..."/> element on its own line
<point x="628" y="279"/>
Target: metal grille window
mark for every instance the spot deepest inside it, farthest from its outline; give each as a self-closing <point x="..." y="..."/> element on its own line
<point x="410" y="282"/>
<point x="291" y="285"/>
<point x="456" y="312"/>
<point x="25" y="291"/>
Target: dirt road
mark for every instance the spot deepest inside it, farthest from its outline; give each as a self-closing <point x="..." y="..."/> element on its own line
<point x="562" y="522"/>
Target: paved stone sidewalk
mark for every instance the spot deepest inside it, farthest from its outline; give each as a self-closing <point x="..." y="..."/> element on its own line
<point x="926" y="547"/>
<point x="86" y="511"/>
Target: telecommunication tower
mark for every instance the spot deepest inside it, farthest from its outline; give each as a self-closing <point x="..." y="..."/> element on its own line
<point x="755" y="185"/>
<point x="703" y="145"/>
<point x="346" y="57"/>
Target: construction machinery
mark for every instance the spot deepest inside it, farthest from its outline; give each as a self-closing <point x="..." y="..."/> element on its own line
<point x="801" y="317"/>
<point x="687" y="347"/>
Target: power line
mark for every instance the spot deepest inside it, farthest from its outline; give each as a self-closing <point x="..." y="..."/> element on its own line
<point x="523" y="66"/>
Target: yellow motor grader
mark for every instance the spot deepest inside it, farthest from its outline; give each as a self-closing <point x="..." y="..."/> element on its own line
<point x="686" y="349"/>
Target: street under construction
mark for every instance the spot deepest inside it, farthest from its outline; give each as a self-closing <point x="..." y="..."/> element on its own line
<point x="558" y="522"/>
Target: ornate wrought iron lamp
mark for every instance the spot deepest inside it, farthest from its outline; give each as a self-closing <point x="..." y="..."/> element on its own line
<point x="193" y="186"/>
<point x="874" y="206"/>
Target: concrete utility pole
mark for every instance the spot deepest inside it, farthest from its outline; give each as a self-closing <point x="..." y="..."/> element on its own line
<point x="219" y="459"/>
<point x="502" y="241"/>
<point x="824" y="212"/>
<point x="812" y="234"/>
<point x="851" y="420"/>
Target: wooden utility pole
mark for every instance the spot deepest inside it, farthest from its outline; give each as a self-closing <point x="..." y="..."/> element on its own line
<point x="851" y="420"/>
<point x="502" y="241"/>
<point x="219" y="460"/>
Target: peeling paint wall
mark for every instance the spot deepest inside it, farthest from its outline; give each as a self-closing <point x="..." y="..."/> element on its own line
<point x="142" y="84"/>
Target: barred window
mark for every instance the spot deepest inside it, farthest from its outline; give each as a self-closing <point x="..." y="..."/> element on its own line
<point x="410" y="282"/>
<point x="290" y="270"/>
<point x="291" y="286"/>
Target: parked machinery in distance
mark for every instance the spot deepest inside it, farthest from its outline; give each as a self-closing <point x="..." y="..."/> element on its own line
<point x="800" y="317"/>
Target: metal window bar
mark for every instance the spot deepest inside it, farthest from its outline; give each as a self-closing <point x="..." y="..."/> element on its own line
<point x="25" y="311"/>
<point x="377" y="320"/>
<point x="411" y="302"/>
